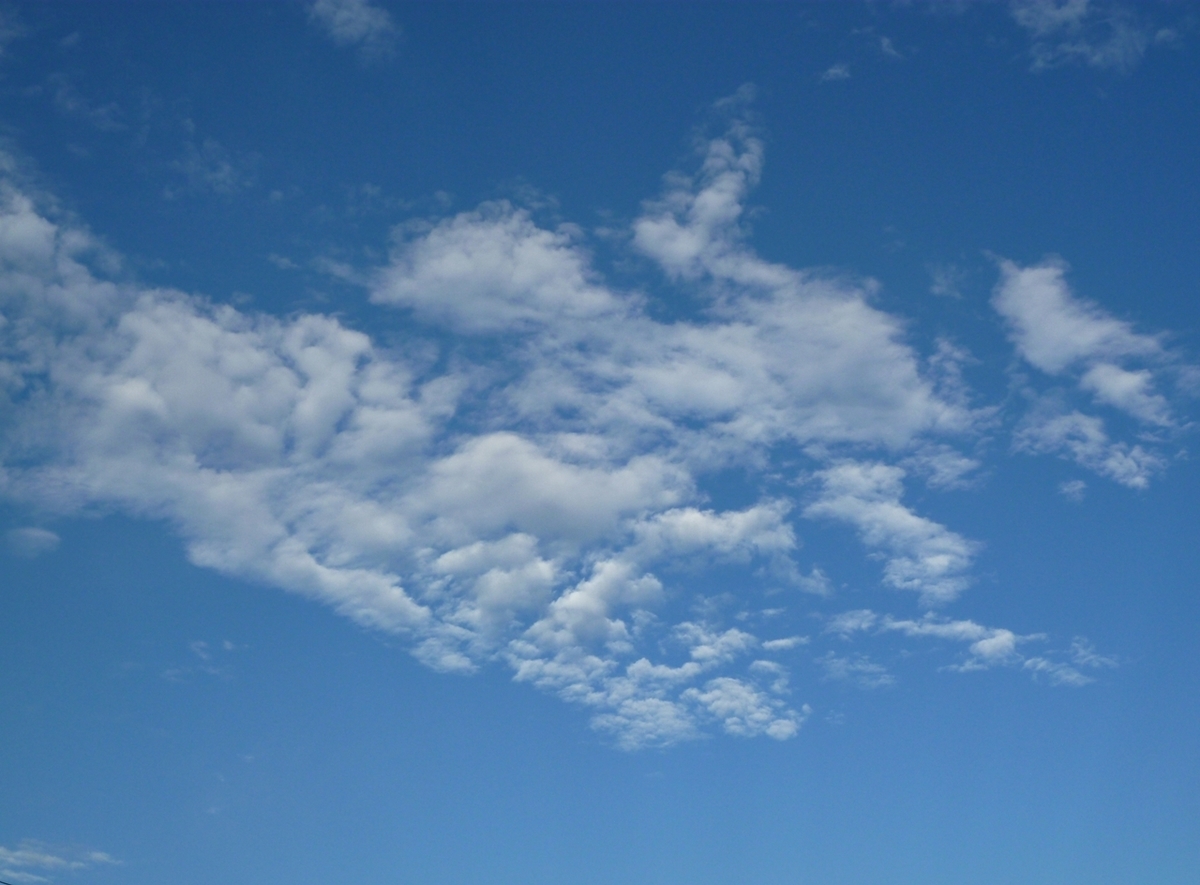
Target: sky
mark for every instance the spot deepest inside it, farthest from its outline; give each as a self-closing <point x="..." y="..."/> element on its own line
<point x="583" y="443"/>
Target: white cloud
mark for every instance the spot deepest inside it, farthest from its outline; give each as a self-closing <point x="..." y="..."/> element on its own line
<point x="31" y="541"/>
<point x="208" y="167"/>
<point x="921" y="555"/>
<point x="33" y="861"/>
<point x="840" y="71"/>
<point x="356" y="23"/>
<point x="942" y="467"/>
<point x="1050" y="429"/>
<point x="848" y="623"/>
<point x="542" y="507"/>
<point x="784" y="644"/>
<point x="987" y="647"/>
<point x="859" y="669"/>
<point x="1065" y="335"/>
<point x="946" y="280"/>
<point x="1083" y="656"/>
<point x="1128" y="391"/>
<point x="493" y="269"/>
<point x="1073" y="489"/>
<point x="1054" y="329"/>
<point x="744" y="710"/>
<point x="1057" y="672"/>
<point x="1099" y="34"/>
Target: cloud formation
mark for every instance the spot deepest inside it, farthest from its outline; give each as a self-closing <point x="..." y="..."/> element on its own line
<point x="1098" y="34"/>
<point x="32" y="861"/>
<point x="357" y="23"/>
<point x="525" y="480"/>
<point x="31" y="541"/>
<point x="986" y="648"/>
<point x="1068" y="337"/>
<point x="921" y="555"/>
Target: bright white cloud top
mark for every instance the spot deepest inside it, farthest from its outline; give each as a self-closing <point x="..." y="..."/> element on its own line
<point x="523" y="480"/>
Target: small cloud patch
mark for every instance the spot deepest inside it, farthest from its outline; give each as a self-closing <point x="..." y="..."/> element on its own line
<point x="31" y="541"/>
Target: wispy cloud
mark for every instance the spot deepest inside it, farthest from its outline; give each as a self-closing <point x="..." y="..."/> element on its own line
<point x="946" y="279"/>
<point x="986" y="647"/>
<point x="888" y="48"/>
<point x="31" y="541"/>
<point x="839" y="71"/>
<point x="1098" y="34"/>
<point x="921" y="555"/>
<point x="1065" y="336"/>
<point x="357" y="23"/>
<point x="33" y="861"/>
<point x="858" y="669"/>
<point x="207" y="166"/>
<point x="1073" y="490"/>
<point x="67" y="98"/>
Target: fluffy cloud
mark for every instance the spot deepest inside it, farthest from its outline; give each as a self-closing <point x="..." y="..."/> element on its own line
<point x="530" y="484"/>
<point x="1054" y="329"/>
<point x="1065" y="336"/>
<point x="491" y="270"/>
<point x="921" y="554"/>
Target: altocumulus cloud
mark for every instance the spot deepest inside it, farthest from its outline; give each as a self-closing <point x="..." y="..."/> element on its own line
<point x="33" y="861"/>
<point x="544" y="508"/>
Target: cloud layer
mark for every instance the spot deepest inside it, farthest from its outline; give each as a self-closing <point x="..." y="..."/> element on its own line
<point x="526" y="479"/>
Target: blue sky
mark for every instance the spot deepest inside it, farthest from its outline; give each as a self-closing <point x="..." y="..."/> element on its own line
<point x="595" y="443"/>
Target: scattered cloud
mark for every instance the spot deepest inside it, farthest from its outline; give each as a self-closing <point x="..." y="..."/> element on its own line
<point x="1073" y="490"/>
<point x="986" y="647"/>
<point x="946" y="280"/>
<point x="493" y="269"/>
<point x="207" y="660"/>
<point x="357" y="23"/>
<point x="1053" y="329"/>
<point x="31" y="541"/>
<point x="1049" y="429"/>
<point x="525" y="480"/>
<point x="858" y="669"/>
<point x="208" y="167"/>
<point x="921" y="555"/>
<point x="1083" y="654"/>
<point x="840" y="71"/>
<point x="67" y="98"/>
<point x="943" y="467"/>
<point x="1099" y="34"/>
<point x="1065" y="336"/>
<point x="32" y="861"/>
<point x="11" y="28"/>
<point x="785" y="644"/>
